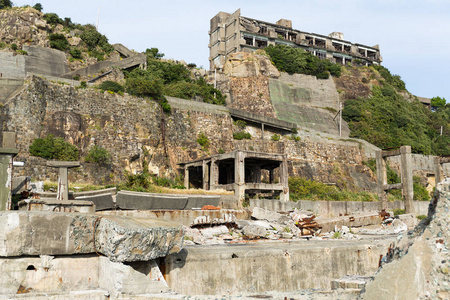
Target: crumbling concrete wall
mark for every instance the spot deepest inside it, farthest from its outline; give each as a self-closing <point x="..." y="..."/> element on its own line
<point x="418" y="265"/>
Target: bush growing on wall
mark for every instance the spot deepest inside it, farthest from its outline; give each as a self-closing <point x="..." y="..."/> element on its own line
<point x="54" y="148"/>
<point x="111" y="86"/>
<point x="98" y="155"/>
<point x="58" y="41"/>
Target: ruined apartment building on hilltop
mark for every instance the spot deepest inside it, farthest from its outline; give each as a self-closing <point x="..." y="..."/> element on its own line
<point x="232" y="33"/>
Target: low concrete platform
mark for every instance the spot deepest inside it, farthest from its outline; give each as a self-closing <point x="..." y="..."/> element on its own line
<point x="101" y="201"/>
<point x="149" y="201"/>
<point x="271" y="266"/>
<point x="118" y="238"/>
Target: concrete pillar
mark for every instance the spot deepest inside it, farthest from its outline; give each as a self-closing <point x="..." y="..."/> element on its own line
<point x="271" y="177"/>
<point x="213" y="174"/>
<point x="205" y="173"/>
<point x="438" y="170"/>
<point x="407" y="178"/>
<point x="262" y="131"/>
<point x="239" y="175"/>
<point x="186" y="177"/>
<point x="6" y="172"/>
<point x="258" y="174"/>
<point x="284" y="196"/>
<point x="63" y="181"/>
<point x="381" y="178"/>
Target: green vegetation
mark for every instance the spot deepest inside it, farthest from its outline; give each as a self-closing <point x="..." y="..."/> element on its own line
<point x="5" y="4"/>
<point x="76" y="53"/>
<point x="304" y="189"/>
<point x="154" y="53"/>
<point x="296" y="60"/>
<point x="38" y="7"/>
<point x="393" y="80"/>
<point x="98" y="155"/>
<point x="437" y="102"/>
<point x="14" y="47"/>
<point x="93" y="38"/>
<point x="241" y="124"/>
<point x="146" y="182"/>
<point x="240" y="135"/>
<point x="58" y="41"/>
<point x="52" y="19"/>
<point x="387" y="120"/>
<point x="275" y="137"/>
<point x="203" y="141"/>
<point x="399" y="211"/>
<point x="421" y="217"/>
<point x="53" y="148"/>
<point x="111" y="86"/>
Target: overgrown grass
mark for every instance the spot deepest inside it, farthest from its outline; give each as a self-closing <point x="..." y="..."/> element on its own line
<point x="304" y="189"/>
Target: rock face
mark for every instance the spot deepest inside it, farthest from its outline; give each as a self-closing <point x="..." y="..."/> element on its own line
<point x="419" y="264"/>
<point x="242" y="65"/>
<point x="118" y="238"/>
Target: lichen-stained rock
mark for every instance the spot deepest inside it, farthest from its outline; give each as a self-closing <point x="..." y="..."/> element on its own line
<point x="119" y="238"/>
<point x="126" y="239"/>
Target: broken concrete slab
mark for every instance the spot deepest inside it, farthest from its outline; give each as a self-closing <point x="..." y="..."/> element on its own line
<point x="101" y="201"/>
<point x="265" y="214"/>
<point x="125" y="239"/>
<point x="149" y="201"/>
<point x="53" y="205"/>
<point x="118" y="238"/>
<point x="254" y="231"/>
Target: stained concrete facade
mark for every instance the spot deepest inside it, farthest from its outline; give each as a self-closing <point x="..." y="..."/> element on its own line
<point x="231" y="33"/>
<point x="239" y="171"/>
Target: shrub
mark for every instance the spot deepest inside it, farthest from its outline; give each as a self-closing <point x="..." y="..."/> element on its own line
<point x="54" y="148"/>
<point x="5" y="4"/>
<point x="58" y="41"/>
<point x="98" y="155"/>
<point x="394" y="80"/>
<point x="111" y="86"/>
<point x="144" y="86"/>
<point x="76" y="53"/>
<point x="52" y="19"/>
<point x="420" y="191"/>
<point x="14" y="47"/>
<point x="38" y="7"/>
<point x="100" y="56"/>
<point x="275" y="137"/>
<point x="399" y="211"/>
<point x="240" y="135"/>
<point x="83" y="84"/>
<point x="93" y="38"/>
<point x="154" y="53"/>
<point x="421" y="217"/>
<point x="203" y="141"/>
<point x="241" y="124"/>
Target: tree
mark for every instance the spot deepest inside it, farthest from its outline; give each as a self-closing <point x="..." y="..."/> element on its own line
<point x="38" y="7"/>
<point x="5" y="4"/>
<point x="154" y="53"/>
<point x="437" y="102"/>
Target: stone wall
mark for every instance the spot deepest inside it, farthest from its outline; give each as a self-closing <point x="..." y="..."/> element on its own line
<point x="130" y="129"/>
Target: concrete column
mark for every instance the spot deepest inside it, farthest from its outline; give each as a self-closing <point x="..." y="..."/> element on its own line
<point x="186" y="177"/>
<point x="262" y="131"/>
<point x="6" y="172"/>
<point x="63" y="181"/>
<point x="381" y="178"/>
<point x="284" y="196"/>
<point x="239" y="175"/>
<point x="438" y="170"/>
<point x="213" y="174"/>
<point x="205" y="173"/>
<point x="271" y="177"/>
<point x="258" y="174"/>
<point x="407" y="178"/>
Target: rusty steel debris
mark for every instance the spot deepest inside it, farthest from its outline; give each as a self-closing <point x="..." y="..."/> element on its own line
<point x="307" y="225"/>
<point x="384" y="214"/>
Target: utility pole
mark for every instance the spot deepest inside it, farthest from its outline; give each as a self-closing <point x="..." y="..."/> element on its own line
<point x="441" y="130"/>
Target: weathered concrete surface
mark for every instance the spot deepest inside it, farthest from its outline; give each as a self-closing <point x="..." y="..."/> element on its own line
<point x="198" y="201"/>
<point x="278" y="266"/>
<point x="125" y="239"/>
<point x="118" y="238"/>
<point x="101" y="201"/>
<point x="48" y="274"/>
<point x="119" y="278"/>
<point x="53" y="205"/>
<point x="335" y="208"/>
<point x="45" y="61"/>
<point x="149" y="201"/>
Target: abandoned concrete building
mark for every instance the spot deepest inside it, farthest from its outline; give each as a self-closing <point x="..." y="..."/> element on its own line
<point x="241" y="172"/>
<point x="231" y="33"/>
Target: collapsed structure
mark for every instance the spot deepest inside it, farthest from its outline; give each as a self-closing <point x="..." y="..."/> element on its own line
<point x="231" y="33"/>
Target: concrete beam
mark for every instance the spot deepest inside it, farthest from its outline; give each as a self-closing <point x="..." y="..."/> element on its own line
<point x="391" y="153"/>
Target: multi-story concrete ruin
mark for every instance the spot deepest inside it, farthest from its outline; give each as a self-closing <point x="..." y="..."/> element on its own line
<point x="231" y="33"/>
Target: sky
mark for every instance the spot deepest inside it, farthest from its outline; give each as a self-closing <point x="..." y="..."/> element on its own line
<point x="414" y="35"/>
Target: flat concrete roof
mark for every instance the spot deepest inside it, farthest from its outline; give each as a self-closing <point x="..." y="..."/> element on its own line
<point x="230" y="155"/>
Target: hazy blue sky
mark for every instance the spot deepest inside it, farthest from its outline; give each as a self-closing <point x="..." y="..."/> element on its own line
<point x="414" y="35"/>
